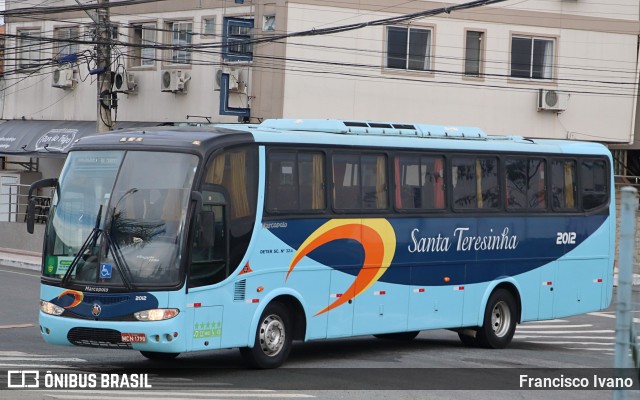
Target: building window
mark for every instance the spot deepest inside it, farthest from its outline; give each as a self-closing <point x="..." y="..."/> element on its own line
<point x="236" y="40"/>
<point x="62" y="46"/>
<point x="473" y="53"/>
<point x="181" y="40"/>
<point x="409" y="48"/>
<point x="29" y="45"/>
<point x="269" y="23"/>
<point x="208" y="26"/>
<point x="531" y="57"/>
<point x="144" y="39"/>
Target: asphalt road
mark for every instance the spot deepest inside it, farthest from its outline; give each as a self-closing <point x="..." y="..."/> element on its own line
<point x="354" y="368"/>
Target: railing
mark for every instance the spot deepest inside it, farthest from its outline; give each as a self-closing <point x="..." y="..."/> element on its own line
<point x="13" y="205"/>
<point x="627" y="180"/>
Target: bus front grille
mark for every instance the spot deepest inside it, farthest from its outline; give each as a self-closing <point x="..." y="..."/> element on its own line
<point x="93" y="337"/>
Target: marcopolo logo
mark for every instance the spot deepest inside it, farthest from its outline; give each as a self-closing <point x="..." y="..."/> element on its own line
<point x="23" y="379"/>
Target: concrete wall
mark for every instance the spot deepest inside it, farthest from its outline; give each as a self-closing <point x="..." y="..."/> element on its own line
<point x="343" y="76"/>
<point x="596" y="64"/>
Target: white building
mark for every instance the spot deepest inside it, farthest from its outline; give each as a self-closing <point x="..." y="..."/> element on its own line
<point x="565" y="69"/>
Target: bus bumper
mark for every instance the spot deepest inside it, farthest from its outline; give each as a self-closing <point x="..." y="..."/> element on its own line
<point x="157" y="336"/>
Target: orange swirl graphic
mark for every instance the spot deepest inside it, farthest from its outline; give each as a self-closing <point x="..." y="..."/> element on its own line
<point x="376" y="237"/>
<point x="77" y="297"/>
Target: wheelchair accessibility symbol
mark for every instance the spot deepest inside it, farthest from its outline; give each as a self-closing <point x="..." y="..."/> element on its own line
<point x="105" y="271"/>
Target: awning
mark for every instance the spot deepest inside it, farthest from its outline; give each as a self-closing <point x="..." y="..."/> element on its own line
<point x="49" y="138"/>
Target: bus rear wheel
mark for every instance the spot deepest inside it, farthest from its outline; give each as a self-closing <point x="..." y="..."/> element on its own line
<point x="499" y="321"/>
<point x="273" y="339"/>
<point x="155" y="355"/>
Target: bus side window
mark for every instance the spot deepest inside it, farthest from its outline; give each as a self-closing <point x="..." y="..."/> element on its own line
<point x="525" y="183"/>
<point x="295" y="181"/>
<point x="419" y="182"/>
<point x="563" y="184"/>
<point x="359" y="181"/>
<point x="593" y="179"/>
<point x="209" y="249"/>
<point x="475" y="183"/>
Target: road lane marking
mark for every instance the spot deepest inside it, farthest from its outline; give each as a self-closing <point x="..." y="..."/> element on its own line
<point x="150" y="394"/>
<point x="48" y="359"/>
<point x="20" y="273"/>
<point x="552" y="326"/>
<point x="601" y="314"/>
<point x="16" y="326"/>
<point x="564" y="337"/>
<point x="562" y="332"/>
<point x="555" y="342"/>
<point x="547" y="321"/>
<point x="38" y="366"/>
<point x="588" y="349"/>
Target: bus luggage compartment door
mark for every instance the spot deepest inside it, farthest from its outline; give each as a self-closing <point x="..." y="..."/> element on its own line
<point x="206" y="327"/>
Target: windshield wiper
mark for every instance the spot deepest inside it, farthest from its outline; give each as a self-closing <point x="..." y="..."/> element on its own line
<point x="91" y="240"/>
<point x="121" y="263"/>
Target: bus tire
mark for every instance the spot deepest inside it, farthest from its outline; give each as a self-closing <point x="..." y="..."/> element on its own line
<point x="403" y="336"/>
<point x="499" y="321"/>
<point x="156" y="355"/>
<point x="273" y="339"/>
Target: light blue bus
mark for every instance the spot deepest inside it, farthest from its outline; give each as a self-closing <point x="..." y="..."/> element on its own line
<point x="177" y="239"/>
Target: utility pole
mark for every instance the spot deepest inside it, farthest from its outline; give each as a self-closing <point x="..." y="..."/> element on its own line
<point x="103" y="50"/>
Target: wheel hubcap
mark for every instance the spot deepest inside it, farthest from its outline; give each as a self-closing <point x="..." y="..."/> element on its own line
<point x="500" y="319"/>
<point x="272" y="335"/>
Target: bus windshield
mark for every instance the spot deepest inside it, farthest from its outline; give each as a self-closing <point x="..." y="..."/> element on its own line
<point x="119" y="217"/>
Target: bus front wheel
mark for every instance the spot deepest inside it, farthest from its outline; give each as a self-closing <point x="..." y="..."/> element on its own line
<point x="273" y="339"/>
<point x="499" y="321"/>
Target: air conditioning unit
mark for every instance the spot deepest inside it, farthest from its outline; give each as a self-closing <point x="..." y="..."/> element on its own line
<point x="552" y="100"/>
<point x="237" y="80"/>
<point x="63" y="78"/>
<point x="174" y="81"/>
<point x="124" y="82"/>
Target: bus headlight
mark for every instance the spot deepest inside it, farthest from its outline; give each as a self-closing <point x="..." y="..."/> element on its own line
<point x="50" y="308"/>
<point x="158" y="314"/>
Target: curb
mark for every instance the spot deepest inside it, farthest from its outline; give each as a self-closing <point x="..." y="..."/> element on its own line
<point x="20" y="264"/>
<point x="20" y="260"/>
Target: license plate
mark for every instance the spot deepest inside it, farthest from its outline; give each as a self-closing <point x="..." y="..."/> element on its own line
<point x="134" y="338"/>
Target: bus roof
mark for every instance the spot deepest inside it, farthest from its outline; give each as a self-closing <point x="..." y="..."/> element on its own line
<point x="196" y="139"/>
<point x="405" y="135"/>
<point x="387" y="135"/>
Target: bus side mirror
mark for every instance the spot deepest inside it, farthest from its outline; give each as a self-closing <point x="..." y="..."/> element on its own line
<point x="31" y="215"/>
<point x="207" y="234"/>
<point x="31" y="201"/>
